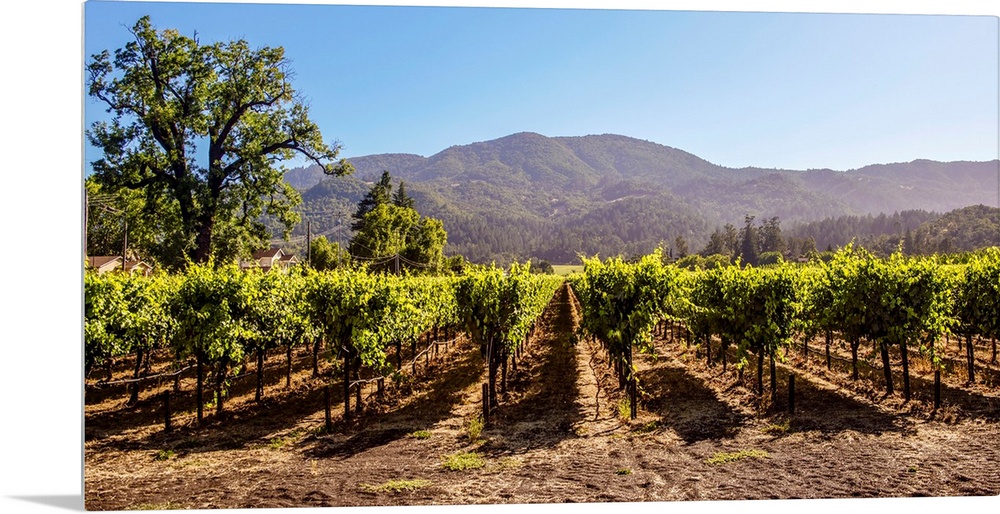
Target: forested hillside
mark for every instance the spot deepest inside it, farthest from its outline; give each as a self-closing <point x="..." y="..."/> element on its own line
<point x="528" y="195"/>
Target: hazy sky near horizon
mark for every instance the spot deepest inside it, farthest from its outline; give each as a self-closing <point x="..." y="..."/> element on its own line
<point x="792" y="90"/>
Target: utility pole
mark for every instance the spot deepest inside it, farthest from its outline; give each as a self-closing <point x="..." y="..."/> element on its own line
<point x="124" y="240"/>
<point x="397" y="263"/>
<point x="309" y="259"/>
<point x="86" y="219"/>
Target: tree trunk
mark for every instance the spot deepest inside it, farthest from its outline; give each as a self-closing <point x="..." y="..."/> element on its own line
<point x="937" y="388"/>
<point x="503" y="375"/>
<point x="493" y="365"/>
<point x="326" y="409"/>
<point x="854" y="358"/>
<point x="166" y="411"/>
<point x="399" y="355"/>
<point x="970" y="358"/>
<point x="774" y="379"/>
<point x="357" y="388"/>
<point x="633" y="396"/>
<point x="203" y="239"/>
<point x="708" y="349"/>
<point x="347" y="388"/>
<point x="884" y="348"/>
<point x="259" y="394"/>
<point x="201" y="384"/>
<point x="906" y="371"/>
<point x="725" y="353"/>
<point x="760" y="373"/>
<point x="288" y="366"/>
<point x="220" y="385"/>
<point x="486" y="404"/>
<point x="316" y="346"/>
<point x="993" y="359"/>
<point x="134" y="397"/>
<point x="829" y="336"/>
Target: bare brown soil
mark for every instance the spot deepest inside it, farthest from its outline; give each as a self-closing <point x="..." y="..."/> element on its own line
<point x="557" y="437"/>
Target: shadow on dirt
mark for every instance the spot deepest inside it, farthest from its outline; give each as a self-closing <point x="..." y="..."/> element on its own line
<point x="970" y="402"/>
<point x="685" y="405"/>
<point x="546" y="413"/>
<point x="444" y="392"/>
<point x="149" y="409"/>
<point x="830" y="412"/>
<point x="278" y="418"/>
<point x="240" y="427"/>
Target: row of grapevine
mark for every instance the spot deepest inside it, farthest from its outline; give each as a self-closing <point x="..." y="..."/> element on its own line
<point x="499" y="308"/>
<point x="621" y="303"/>
<point x="975" y="296"/>
<point x="219" y="316"/>
<point x="898" y="303"/>
<point x="755" y="309"/>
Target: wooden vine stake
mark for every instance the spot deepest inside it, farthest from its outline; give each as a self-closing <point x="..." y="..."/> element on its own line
<point x="166" y="411"/>
<point x="486" y="403"/>
<point x="791" y="394"/>
<point x="937" y="388"/>
<point x="326" y="400"/>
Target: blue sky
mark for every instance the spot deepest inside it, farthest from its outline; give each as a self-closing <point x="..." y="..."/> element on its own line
<point x="792" y="90"/>
<point x="711" y="80"/>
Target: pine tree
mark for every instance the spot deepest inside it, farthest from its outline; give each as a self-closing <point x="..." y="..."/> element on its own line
<point x="749" y="242"/>
<point x="378" y="195"/>
<point x="400" y="199"/>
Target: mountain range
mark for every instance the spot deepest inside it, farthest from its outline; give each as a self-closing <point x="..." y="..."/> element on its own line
<point x="528" y="195"/>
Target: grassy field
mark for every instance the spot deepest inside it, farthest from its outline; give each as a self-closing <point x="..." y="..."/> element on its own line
<point x="566" y="269"/>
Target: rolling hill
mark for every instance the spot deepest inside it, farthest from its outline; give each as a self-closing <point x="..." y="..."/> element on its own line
<point x="529" y="195"/>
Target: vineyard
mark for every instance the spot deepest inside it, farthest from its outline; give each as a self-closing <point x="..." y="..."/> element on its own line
<point x="630" y="381"/>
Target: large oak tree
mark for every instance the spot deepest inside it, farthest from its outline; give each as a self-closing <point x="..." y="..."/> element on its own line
<point x="201" y="130"/>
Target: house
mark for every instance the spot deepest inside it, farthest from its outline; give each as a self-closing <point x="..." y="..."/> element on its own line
<point x="106" y="263"/>
<point x="270" y="258"/>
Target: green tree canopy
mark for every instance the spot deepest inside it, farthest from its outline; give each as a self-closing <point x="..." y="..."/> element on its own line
<point x="749" y="242"/>
<point x="387" y="225"/>
<point x="386" y="231"/>
<point x="325" y="255"/>
<point x="200" y="130"/>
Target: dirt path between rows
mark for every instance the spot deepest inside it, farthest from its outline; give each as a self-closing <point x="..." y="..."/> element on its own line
<point x="556" y="437"/>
